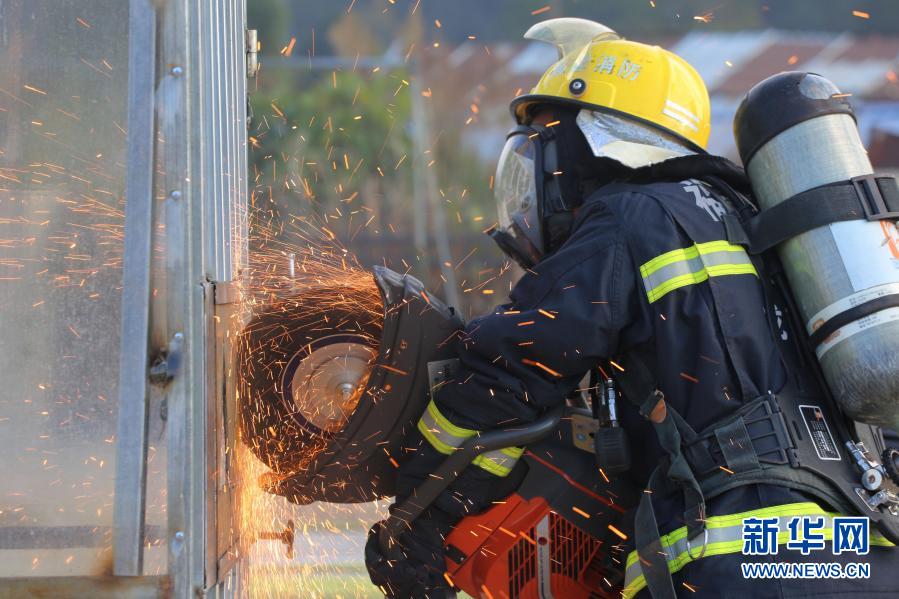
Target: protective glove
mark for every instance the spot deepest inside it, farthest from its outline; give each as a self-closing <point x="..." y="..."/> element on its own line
<point x="414" y="568"/>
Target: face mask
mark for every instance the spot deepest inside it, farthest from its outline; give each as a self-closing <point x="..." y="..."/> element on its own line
<point x="528" y="189"/>
<point x="535" y="196"/>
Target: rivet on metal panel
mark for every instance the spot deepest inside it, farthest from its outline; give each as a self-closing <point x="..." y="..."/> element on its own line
<point x="178" y="542"/>
<point x="177" y="71"/>
<point x="175" y="195"/>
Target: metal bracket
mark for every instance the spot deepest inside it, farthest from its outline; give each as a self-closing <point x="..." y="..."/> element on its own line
<point x="252" y="55"/>
<point x="137" y="265"/>
<point x="226" y="292"/>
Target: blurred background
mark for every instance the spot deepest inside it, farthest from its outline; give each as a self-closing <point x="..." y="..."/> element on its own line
<point x="393" y="112"/>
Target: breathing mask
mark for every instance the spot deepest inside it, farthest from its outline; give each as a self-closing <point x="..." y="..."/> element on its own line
<point x="545" y="172"/>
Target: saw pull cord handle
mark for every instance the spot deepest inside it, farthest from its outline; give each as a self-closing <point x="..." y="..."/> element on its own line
<point x="449" y="470"/>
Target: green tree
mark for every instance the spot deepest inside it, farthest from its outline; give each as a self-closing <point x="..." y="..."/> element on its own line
<point x="338" y="139"/>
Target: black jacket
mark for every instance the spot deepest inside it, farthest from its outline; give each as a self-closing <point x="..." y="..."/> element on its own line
<point x="709" y="343"/>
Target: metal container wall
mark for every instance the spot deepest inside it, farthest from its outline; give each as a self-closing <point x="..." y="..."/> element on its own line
<point x="854" y="259"/>
<point x="64" y="78"/>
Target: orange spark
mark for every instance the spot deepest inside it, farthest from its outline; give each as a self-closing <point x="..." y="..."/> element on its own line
<point x="541" y="367"/>
<point x="288" y="49"/>
<point x="686" y="376"/>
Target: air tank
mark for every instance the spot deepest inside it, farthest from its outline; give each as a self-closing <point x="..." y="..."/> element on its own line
<point x="796" y="131"/>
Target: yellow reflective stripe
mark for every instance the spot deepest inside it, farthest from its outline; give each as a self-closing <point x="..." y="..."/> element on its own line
<point x="735" y="521"/>
<point x="444" y="423"/>
<point x="730" y="269"/>
<point x="513" y="452"/>
<point x="446" y="437"/>
<point x="433" y="440"/>
<point x="494" y="464"/>
<point x="687" y="253"/>
<point x="695" y="264"/>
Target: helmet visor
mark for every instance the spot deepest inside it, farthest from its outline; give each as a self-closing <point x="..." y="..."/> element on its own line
<point x="515" y="191"/>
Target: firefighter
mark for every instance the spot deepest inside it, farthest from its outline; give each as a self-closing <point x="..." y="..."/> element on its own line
<point x="609" y="201"/>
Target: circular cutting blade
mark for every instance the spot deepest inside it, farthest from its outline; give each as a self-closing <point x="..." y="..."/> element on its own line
<point x="322" y="387"/>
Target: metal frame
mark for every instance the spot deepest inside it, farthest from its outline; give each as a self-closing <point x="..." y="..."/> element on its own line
<point x="221" y="120"/>
<point x="131" y="445"/>
<point x="187" y="61"/>
<point x="205" y="161"/>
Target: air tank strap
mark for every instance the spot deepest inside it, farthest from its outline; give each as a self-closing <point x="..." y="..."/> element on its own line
<point x="875" y="197"/>
<point x="851" y="315"/>
<point x="868" y="196"/>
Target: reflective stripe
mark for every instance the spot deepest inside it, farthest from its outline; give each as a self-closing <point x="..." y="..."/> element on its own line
<point x="695" y="264"/>
<point x="726" y="536"/>
<point x="445" y="437"/>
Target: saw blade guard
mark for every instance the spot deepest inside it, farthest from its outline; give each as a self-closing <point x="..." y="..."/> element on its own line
<point x="330" y="392"/>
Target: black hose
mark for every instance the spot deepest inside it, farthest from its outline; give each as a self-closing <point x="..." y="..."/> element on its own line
<point x="449" y="470"/>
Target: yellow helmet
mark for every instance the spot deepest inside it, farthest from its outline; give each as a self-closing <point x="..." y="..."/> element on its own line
<point x="599" y="70"/>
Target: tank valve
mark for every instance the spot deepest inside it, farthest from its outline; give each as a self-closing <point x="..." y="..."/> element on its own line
<point x="872" y="472"/>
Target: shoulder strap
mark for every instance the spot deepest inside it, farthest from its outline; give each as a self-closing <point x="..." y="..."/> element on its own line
<point x="867" y="197"/>
<point x="640" y="388"/>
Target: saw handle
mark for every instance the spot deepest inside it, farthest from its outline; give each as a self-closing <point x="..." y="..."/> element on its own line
<point x="404" y="513"/>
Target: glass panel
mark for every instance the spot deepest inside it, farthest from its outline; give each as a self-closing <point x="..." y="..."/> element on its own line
<point x="63" y="90"/>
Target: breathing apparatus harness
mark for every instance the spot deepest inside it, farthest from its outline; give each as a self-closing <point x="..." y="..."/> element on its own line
<point x="765" y="441"/>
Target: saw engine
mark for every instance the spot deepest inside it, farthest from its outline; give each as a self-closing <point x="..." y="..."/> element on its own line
<point x="527" y="549"/>
<point x="326" y="406"/>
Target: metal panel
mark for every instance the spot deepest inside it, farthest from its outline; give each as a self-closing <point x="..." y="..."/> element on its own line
<point x="184" y="304"/>
<point x="204" y="125"/>
<point x="131" y="456"/>
<point x="222" y="123"/>
<point x="61" y="218"/>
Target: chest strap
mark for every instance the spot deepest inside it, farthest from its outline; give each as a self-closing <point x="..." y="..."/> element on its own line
<point x="673" y="473"/>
